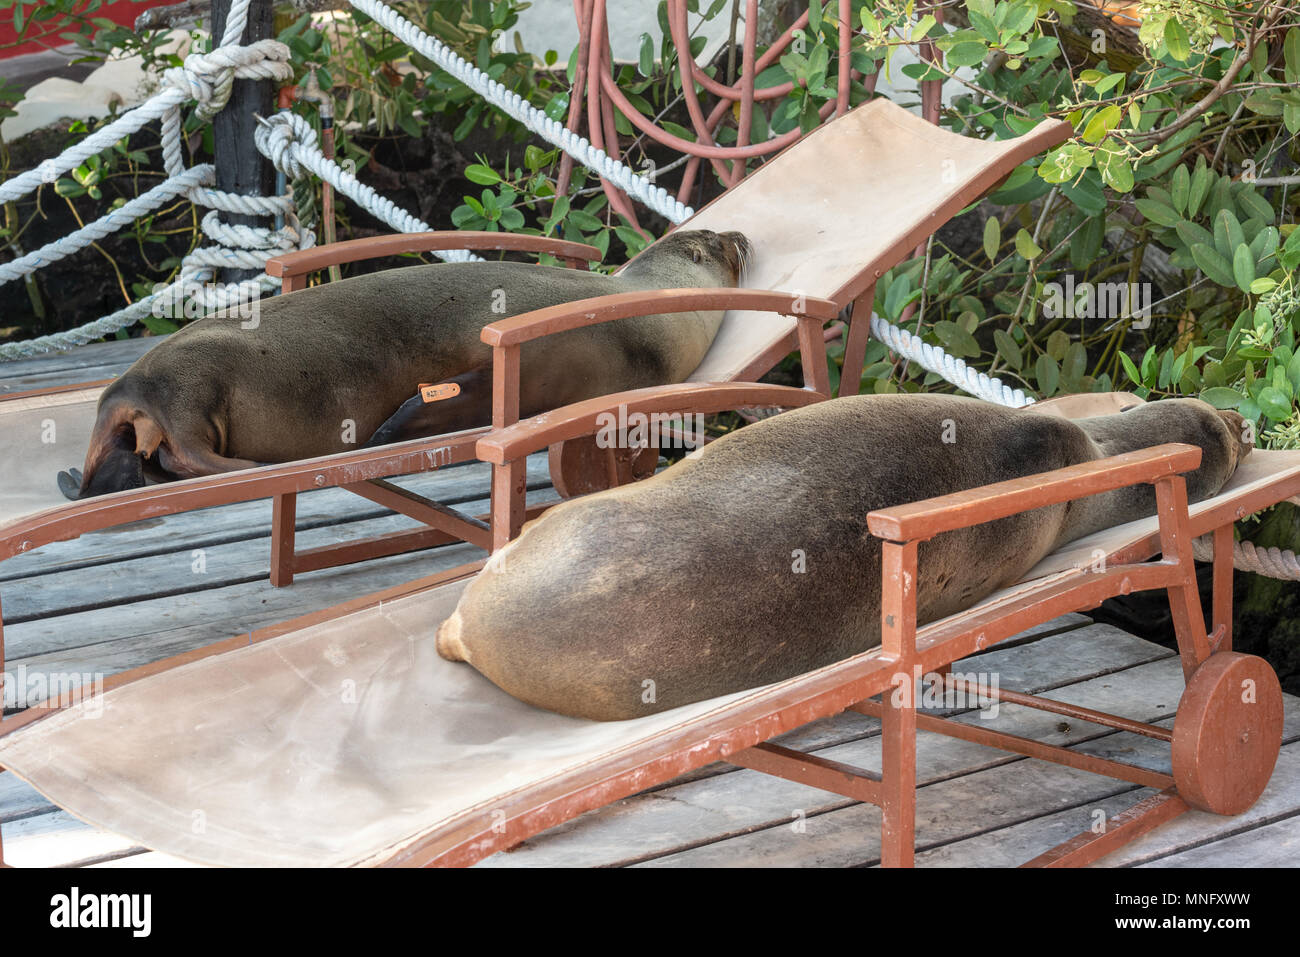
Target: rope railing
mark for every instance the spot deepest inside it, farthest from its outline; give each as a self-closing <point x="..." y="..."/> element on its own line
<point x="206" y="79"/>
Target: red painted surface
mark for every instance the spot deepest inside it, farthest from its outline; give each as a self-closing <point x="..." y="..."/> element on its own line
<point x="123" y="12"/>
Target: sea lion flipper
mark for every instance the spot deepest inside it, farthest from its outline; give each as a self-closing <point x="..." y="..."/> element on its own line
<point x="70" y="484"/>
<point x="417" y="419"/>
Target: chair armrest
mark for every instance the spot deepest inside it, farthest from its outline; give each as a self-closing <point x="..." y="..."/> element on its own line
<point x="583" y="418"/>
<point x="590" y="312"/>
<point x="507" y="335"/>
<point x="919" y="521"/>
<point x="293" y="265"/>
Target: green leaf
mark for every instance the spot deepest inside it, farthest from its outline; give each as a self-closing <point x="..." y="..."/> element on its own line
<point x="1026" y="246"/>
<point x="983" y="25"/>
<point x="646" y="59"/>
<point x="1261" y="286"/>
<point x="1176" y="40"/>
<point x="992" y="238"/>
<point x="1086" y="193"/>
<point x="1263" y="321"/>
<point x="1180" y="185"/>
<point x="1200" y="187"/>
<point x="1075" y="364"/>
<point x="1256" y="205"/>
<point x="1274" y="403"/>
<point x="584" y="221"/>
<point x="1116" y="171"/>
<point x="1291" y="52"/>
<point x="1228" y="234"/>
<point x="1021" y="186"/>
<point x="1158" y="213"/>
<point x="1085" y="244"/>
<point x="1008" y="350"/>
<point x="1243" y="267"/>
<point x="1191" y="233"/>
<point x="1222" y="398"/>
<point x="967" y="53"/>
<point x="1166" y="375"/>
<point x="1057" y="343"/>
<point x="1048" y="374"/>
<point x="1130" y="369"/>
<point x="1021" y="17"/>
<point x="1213" y="265"/>
<point x="956" y="340"/>
<point x="1102" y="122"/>
<point x="1148" y="363"/>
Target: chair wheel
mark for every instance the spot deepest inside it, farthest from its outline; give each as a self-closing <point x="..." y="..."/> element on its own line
<point x="1227" y="733"/>
<point x="580" y="467"/>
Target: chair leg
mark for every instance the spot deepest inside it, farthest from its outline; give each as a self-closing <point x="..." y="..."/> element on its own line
<point x="855" y="343"/>
<point x="1184" y="598"/>
<point x="898" y="717"/>
<point x="508" y="501"/>
<point x="284" y="512"/>
<point x="898" y="770"/>
<point x="1222" y="609"/>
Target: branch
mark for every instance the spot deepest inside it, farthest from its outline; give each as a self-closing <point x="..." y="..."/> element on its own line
<point x="1196" y="110"/>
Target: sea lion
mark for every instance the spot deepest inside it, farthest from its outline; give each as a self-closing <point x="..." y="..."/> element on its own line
<point x="750" y="561"/>
<point x="326" y="367"/>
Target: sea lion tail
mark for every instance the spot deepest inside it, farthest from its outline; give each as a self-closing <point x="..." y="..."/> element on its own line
<point x="124" y="435"/>
<point x="449" y="644"/>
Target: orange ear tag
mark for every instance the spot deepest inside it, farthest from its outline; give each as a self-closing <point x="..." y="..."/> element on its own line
<point x="436" y="393"/>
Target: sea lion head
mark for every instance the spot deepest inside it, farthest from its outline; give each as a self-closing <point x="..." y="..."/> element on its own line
<point x="697" y="258"/>
<point x="1225" y="437"/>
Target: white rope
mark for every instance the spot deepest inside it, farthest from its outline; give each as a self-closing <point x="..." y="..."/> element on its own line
<point x="289" y="142"/>
<point x="929" y="357"/>
<point x="124" y="215"/>
<point x="512" y="104"/>
<point x="954" y="370"/>
<point x="1247" y="557"/>
<point x="207" y="79"/>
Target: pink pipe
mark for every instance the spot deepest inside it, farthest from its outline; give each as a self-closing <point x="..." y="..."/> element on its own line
<point x="682" y="41"/>
<point x="582" y="10"/>
<point x="746" y="88"/>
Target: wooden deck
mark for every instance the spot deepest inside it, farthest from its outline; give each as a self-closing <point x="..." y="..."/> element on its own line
<point x="115" y="599"/>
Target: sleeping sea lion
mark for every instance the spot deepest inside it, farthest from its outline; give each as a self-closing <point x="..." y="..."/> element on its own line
<point x="750" y="561"/>
<point x="326" y="367"/>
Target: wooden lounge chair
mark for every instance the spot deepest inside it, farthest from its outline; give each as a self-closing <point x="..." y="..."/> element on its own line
<point x="342" y="738"/>
<point x="827" y="217"/>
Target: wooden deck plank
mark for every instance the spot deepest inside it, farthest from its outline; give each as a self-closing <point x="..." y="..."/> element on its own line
<point x="58" y="839"/>
<point x="187" y="570"/>
<point x="146" y="631"/>
<point x="850" y="725"/>
<point x="1280" y="801"/>
<point x="718" y="808"/>
<point x="1227" y="842"/>
<point x="1273" y="845"/>
<point x="88" y="363"/>
<point x="989" y="802"/>
<point x="20" y="799"/>
<point x="248" y="520"/>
